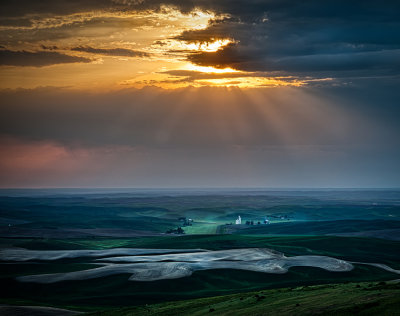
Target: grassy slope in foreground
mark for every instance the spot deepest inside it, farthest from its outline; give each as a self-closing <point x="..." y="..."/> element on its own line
<point x="333" y="299"/>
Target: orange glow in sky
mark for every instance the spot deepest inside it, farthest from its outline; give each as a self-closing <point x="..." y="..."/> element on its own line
<point x="119" y="49"/>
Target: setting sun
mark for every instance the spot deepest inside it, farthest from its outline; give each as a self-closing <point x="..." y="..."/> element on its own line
<point x="210" y="69"/>
<point x="207" y="46"/>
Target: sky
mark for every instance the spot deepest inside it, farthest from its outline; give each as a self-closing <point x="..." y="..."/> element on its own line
<point x="182" y="93"/>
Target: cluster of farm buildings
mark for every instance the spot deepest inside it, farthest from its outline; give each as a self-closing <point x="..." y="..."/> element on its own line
<point x="239" y="221"/>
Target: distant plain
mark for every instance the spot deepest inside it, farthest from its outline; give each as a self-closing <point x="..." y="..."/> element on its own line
<point x="351" y="225"/>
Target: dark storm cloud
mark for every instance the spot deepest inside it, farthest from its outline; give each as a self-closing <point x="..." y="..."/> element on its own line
<point x="16" y="8"/>
<point x="311" y="38"/>
<point x="249" y="10"/>
<point x="68" y="28"/>
<point x="37" y="59"/>
<point x="123" y="52"/>
<point x="17" y="22"/>
<point x="339" y="64"/>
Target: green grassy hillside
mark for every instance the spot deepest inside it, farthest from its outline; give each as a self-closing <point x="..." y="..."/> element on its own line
<point x="113" y="291"/>
<point x="333" y="299"/>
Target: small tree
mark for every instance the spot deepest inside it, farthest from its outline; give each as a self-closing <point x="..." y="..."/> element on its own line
<point x="180" y="230"/>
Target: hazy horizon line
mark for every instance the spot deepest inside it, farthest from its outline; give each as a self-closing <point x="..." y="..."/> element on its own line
<point x="200" y="188"/>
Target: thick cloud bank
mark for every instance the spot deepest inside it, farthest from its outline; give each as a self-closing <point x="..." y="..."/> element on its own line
<point x="332" y="38"/>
